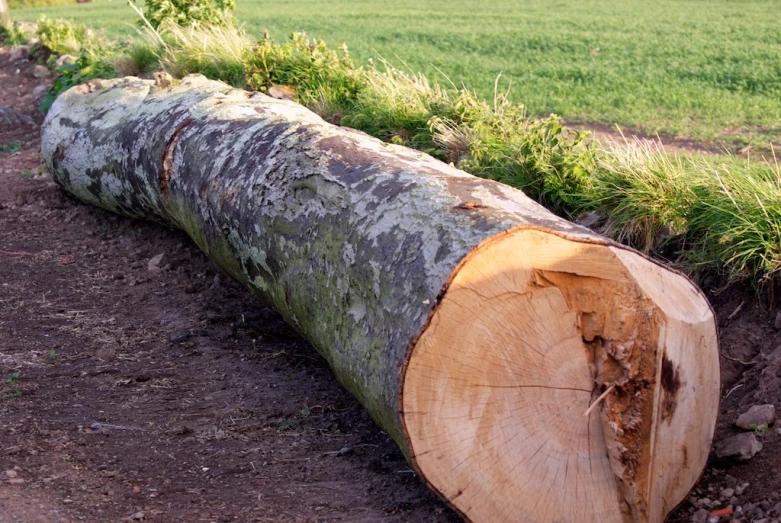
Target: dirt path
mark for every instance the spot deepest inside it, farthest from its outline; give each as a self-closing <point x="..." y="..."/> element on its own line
<point x="609" y="135"/>
<point x="169" y="395"/>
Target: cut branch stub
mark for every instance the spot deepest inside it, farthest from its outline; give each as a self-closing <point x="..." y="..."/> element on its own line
<point x="528" y="368"/>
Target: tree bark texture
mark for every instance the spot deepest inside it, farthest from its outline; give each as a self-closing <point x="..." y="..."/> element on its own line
<point x="352" y="240"/>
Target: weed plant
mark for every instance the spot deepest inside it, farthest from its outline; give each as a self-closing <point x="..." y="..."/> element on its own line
<point x="189" y="13"/>
<point x="9" y="387"/>
<point x="66" y="37"/>
<point x="322" y="78"/>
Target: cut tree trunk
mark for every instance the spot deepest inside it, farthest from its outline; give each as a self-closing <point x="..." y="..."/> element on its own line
<point x="528" y="368"/>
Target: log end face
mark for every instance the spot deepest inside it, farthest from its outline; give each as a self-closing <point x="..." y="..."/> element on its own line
<point x="563" y="381"/>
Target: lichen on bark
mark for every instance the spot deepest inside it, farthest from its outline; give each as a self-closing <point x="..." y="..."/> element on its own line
<point x="349" y="238"/>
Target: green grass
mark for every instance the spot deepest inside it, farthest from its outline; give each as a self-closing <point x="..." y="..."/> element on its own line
<point x="21" y="4"/>
<point x="214" y="51"/>
<point x="711" y="71"/>
<point x="10" y="147"/>
<point x="9" y="387"/>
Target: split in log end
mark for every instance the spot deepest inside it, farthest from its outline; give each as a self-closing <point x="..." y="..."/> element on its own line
<point x="532" y="330"/>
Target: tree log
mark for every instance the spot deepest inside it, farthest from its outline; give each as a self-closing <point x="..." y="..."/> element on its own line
<point x="528" y="368"/>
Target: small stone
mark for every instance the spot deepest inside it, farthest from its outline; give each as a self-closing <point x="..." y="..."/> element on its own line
<point x="154" y="264"/>
<point x="727" y="493"/>
<point x="20" y="52"/>
<point x="713" y="519"/>
<point x="16" y="481"/>
<point x="756" y="416"/>
<point x="725" y="512"/>
<point x="282" y="92"/>
<point x="701" y="516"/>
<point x="740" y="489"/>
<point x="137" y="516"/>
<point x="345" y="451"/>
<point x="590" y="219"/>
<point x="41" y="71"/>
<point x="136" y="490"/>
<point x="11" y="473"/>
<point x="65" y="59"/>
<point x="67" y="501"/>
<point x="704" y="502"/>
<point x="741" y="447"/>
<point x="730" y="481"/>
<point x="40" y="90"/>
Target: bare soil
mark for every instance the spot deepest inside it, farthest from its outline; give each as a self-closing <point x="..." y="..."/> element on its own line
<point x="170" y="395"/>
<point x="609" y="135"/>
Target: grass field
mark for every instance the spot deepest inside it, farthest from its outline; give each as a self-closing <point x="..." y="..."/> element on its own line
<point x="710" y="71"/>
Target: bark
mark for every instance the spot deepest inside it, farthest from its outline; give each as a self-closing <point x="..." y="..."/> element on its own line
<point x="362" y="247"/>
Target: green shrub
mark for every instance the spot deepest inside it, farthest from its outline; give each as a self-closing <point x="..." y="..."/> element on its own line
<point x="187" y="13"/>
<point x="9" y="36"/>
<point x="94" y="55"/>
<point x="549" y="163"/>
<point x="496" y="141"/>
<point x="66" y="37"/>
<point x="324" y="79"/>
<point x="87" y="66"/>
<point x="15" y="34"/>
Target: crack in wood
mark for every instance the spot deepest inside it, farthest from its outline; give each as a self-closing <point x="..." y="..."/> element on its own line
<point x="167" y="164"/>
